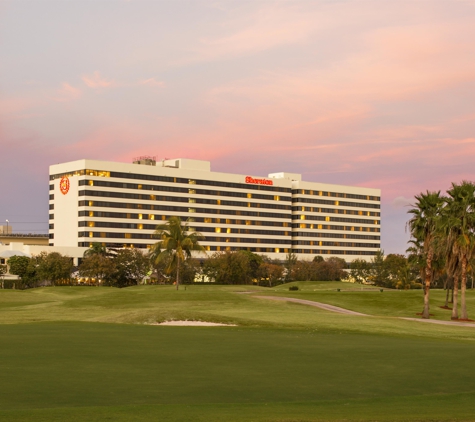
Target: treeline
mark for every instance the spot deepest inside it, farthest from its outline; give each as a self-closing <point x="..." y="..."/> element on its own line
<point x="391" y="271"/>
<point x="39" y="270"/>
<point x="119" y="268"/>
<point x="128" y="267"/>
<point x="244" y="267"/>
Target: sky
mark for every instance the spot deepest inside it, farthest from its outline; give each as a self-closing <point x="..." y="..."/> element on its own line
<point x="378" y="94"/>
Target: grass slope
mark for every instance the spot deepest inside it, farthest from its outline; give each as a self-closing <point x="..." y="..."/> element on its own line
<point x="84" y="354"/>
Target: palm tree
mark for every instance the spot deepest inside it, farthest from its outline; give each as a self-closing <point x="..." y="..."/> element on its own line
<point x="176" y="242"/>
<point x="96" y="249"/>
<point x="459" y="226"/>
<point x="423" y="228"/>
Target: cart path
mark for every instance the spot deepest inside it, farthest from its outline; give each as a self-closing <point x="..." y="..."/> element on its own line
<point x="348" y="312"/>
<point x="316" y="304"/>
<point x="438" y="321"/>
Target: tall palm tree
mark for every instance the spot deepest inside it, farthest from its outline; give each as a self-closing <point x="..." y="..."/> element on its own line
<point x="459" y="225"/>
<point x="423" y="228"/>
<point x="176" y="242"/>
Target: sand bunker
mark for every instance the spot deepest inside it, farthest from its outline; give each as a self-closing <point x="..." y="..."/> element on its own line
<point x="194" y="324"/>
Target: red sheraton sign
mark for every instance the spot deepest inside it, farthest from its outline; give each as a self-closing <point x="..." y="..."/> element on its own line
<point x="250" y="179"/>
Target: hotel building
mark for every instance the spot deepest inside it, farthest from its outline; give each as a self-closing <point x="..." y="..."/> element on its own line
<point x="120" y="205"/>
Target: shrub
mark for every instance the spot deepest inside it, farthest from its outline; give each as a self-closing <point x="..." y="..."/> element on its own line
<point x="293" y="287"/>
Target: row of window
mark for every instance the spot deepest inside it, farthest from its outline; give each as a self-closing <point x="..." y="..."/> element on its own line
<point x="343" y="244"/>
<point x="83" y="172"/>
<point x="219" y="248"/>
<point x="187" y="191"/>
<point x="336" y="235"/>
<point x="333" y="227"/>
<point x="335" y="219"/>
<point x="111" y="235"/>
<point x="168" y="179"/>
<point x="159" y="218"/>
<point x="336" y="194"/>
<point x="135" y="226"/>
<point x="331" y="211"/>
<point x="336" y="203"/>
<point x="104" y="204"/>
<point x="333" y="252"/>
<point x="211" y="248"/>
<point x="222" y="202"/>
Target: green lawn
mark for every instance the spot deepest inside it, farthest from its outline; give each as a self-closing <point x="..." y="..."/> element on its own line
<point x="85" y="354"/>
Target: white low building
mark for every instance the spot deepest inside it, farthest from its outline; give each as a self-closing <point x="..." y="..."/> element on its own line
<point x="20" y="249"/>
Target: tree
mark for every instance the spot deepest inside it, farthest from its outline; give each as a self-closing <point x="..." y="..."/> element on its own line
<point x="423" y="227"/>
<point x="96" y="249"/>
<point x="254" y="262"/>
<point x="98" y="267"/>
<point x="290" y="261"/>
<point x="379" y="274"/>
<point x="458" y="223"/>
<point x="189" y="269"/>
<point x="404" y="279"/>
<point x="395" y="265"/>
<point x="53" y="267"/>
<point x="228" y="268"/>
<point x="271" y="273"/>
<point x="176" y="243"/>
<point x="131" y="266"/>
<point x="20" y="266"/>
<point x="3" y="271"/>
<point x="360" y="270"/>
<point x="335" y="268"/>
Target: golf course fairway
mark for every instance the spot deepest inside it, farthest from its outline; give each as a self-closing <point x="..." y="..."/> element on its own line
<point x="95" y="354"/>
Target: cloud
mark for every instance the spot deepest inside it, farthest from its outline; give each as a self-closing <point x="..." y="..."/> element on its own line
<point x="151" y="82"/>
<point x="67" y="93"/>
<point x="96" y="81"/>
<point x="401" y="201"/>
<point x="269" y="27"/>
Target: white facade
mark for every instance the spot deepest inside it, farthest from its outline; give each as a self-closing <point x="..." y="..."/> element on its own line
<point x="20" y="249"/>
<point x="120" y="205"/>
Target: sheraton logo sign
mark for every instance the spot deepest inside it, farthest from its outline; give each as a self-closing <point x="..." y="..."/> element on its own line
<point x="250" y="179"/>
<point x="64" y="185"/>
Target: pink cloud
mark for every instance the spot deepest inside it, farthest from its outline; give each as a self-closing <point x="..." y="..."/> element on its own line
<point x="269" y="27"/>
<point x="152" y="82"/>
<point x="96" y="81"/>
<point x="67" y="93"/>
